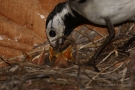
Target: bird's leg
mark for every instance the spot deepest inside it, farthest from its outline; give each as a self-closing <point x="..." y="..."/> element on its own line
<point x="124" y="47"/>
<point x="111" y="32"/>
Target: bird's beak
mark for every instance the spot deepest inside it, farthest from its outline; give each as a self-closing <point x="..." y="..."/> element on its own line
<point x="61" y="44"/>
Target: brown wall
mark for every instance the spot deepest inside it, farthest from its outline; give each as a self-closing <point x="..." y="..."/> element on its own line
<point x="22" y="24"/>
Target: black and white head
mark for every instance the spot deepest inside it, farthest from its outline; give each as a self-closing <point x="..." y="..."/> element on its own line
<point x="60" y="23"/>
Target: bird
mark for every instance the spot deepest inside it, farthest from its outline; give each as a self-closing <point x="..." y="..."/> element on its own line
<point x="69" y="14"/>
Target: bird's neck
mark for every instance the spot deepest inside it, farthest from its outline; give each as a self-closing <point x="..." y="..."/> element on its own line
<point x="73" y="19"/>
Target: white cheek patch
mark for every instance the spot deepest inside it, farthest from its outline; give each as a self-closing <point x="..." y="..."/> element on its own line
<point x="57" y="25"/>
<point x="49" y="25"/>
<point x="64" y="12"/>
<point x="59" y="17"/>
<point x="57" y="21"/>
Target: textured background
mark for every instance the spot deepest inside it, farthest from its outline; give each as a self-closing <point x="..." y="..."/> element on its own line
<point x="22" y="25"/>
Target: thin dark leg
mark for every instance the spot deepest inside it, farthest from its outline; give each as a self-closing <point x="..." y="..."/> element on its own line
<point x="111" y="32"/>
<point x="128" y="43"/>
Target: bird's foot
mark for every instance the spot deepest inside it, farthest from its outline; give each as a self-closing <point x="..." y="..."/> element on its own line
<point x="92" y="63"/>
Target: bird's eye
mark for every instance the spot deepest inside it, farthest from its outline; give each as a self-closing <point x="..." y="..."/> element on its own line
<point x="52" y="33"/>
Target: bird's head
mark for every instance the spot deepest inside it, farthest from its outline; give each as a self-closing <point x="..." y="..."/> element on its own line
<point x="59" y="24"/>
